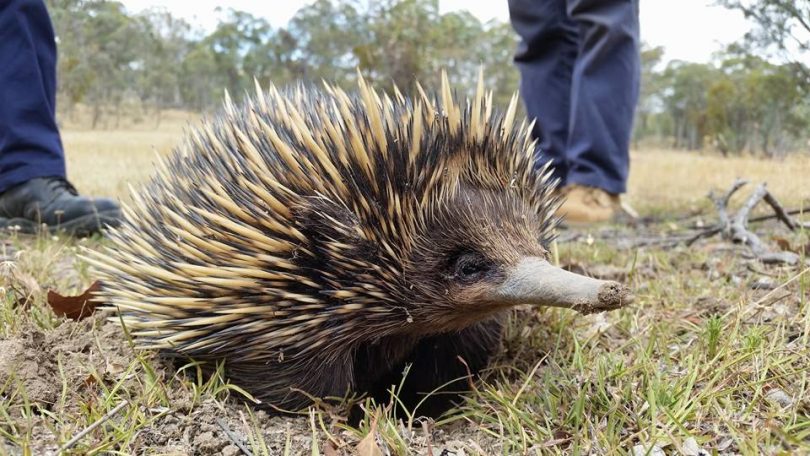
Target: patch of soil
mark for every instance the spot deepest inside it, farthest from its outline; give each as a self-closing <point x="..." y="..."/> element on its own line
<point x="35" y="359"/>
<point x="62" y="372"/>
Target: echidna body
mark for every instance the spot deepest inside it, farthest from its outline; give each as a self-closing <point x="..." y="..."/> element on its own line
<point x="317" y="242"/>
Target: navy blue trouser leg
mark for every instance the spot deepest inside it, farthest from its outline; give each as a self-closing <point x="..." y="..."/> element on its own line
<point x="30" y="145"/>
<point x="545" y="57"/>
<point x="580" y="70"/>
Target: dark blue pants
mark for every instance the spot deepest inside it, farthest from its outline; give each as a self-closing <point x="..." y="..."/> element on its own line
<point x="580" y="68"/>
<point x="30" y="145"/>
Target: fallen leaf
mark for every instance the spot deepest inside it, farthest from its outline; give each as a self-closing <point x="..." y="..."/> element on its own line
<point x="114" y="369"/>
<point x="783" y="244"/>
<point x="329" y="449"/>
<point x="75" y="307"/>
<point x="90" y="381"/>
<point x="368" y="446"/>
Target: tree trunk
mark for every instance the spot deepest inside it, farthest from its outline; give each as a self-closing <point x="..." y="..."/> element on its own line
<point x="96" y="114"/>
<point x="158" y="116"/>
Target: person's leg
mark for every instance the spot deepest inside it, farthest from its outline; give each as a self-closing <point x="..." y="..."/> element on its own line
<point x="604" y="92"/>
<point x="545" y="58"/>
<point x="34" y="190"/>
<point x="30" y="145"/>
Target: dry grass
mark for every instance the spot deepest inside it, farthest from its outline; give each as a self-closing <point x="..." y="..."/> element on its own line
<point x="664" y="179"/>
<point x="104" y="162"/>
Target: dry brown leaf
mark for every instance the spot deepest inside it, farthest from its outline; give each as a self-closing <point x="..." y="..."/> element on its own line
<point x="783" y="244"/>
<point x="90" y="381"/>
<point x="75" y="307"/>
<point x="329" y="449"/>
<point x="368" y="446"/>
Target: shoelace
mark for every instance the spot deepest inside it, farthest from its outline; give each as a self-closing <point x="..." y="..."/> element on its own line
<point x="57" y="184"/>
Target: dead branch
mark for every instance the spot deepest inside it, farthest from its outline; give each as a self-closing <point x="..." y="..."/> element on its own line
<point x="803" y="210"/>
<point x="735" y="228"/>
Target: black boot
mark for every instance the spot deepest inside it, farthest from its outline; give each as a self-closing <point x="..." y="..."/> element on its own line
<point x="55" y="203"/>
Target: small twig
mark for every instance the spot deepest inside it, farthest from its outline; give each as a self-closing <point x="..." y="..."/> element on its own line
<point x="570" y="237"/>
<point x="236" y="441"/>
<point x="756" y="270"/>
<point x="779" y="211"/>
<point x="709" y="232"/>
<point x="800" y="211"/>
<point x="772" y="292"/>
<point x="428" y="437"/>
<point x="90" y="428"/>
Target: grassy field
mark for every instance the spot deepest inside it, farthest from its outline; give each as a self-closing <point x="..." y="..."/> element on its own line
<point x="712" y="357"/>
<point x="661" y="181"/>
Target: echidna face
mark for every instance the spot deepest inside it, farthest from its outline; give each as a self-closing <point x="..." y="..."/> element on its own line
<point x="484" y="250"/>
<point x="472" y="244"/>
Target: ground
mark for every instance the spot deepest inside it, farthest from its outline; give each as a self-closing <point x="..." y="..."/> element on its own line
<point x="713" y="355"/>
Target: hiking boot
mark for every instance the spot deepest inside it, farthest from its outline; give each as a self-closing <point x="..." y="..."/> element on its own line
<point x="584" y="205"/>
<point x="55" y="203"/>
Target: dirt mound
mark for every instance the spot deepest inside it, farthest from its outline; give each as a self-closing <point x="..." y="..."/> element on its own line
<point x="68" y="357"/>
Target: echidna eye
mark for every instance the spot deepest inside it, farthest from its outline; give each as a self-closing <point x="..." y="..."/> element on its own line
<point x="471" y="266"/>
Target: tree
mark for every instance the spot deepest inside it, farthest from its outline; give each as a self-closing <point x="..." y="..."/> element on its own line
<point x="781" y="24"/>
<point x="164" y="41"/>
<point x="650" y="95"/>
<point x="108" y="57"/>
<point x="685" y="101"/>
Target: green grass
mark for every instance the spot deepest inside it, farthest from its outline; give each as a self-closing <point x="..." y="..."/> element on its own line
<point x="699" y="355"/>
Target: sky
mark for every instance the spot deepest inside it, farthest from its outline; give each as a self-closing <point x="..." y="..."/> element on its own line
<point x="688" y="29"/>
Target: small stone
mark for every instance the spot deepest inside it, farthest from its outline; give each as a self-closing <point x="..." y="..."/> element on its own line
<point x="231" y="450"/>
<point x="641" y="450"/>
<point x="779" y="397"/>
<point x="691" y="448"/>
<point x="763" y="283"/>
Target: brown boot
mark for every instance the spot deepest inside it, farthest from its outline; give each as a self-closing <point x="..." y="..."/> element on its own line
<point x="584" y="205"/>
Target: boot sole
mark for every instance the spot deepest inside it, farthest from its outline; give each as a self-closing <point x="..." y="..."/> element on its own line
<point x="81" y="226"/>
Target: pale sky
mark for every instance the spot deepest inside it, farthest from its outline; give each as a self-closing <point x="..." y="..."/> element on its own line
<point x="688" y="29"/>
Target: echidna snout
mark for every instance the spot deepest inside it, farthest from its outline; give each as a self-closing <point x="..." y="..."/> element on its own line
<point x="317" y="242"/>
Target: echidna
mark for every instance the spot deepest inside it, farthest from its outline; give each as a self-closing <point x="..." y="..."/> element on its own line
<point x="317" y="242"/>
